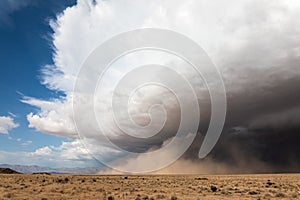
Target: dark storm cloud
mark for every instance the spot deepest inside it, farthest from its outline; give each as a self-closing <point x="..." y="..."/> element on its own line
<point x="263" y="122"/>
<point x="262" y="79"/>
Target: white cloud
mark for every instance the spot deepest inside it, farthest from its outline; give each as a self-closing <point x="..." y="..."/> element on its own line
<point x="44" y="151"/>
<point x="254" y="44"/>
<point x="26" y="143"/>
<point x="7" y="124"/>
<point x="68" y="154"/>
<point x="69" y="151"/>
<point x="12" y="114"/>
<point x="55" y="117"/>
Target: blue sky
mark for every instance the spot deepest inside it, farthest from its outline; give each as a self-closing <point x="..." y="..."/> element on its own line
<point x="25" y="46"/>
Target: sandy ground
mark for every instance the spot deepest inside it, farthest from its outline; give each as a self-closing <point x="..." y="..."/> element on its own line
<point x="271" y="186"/>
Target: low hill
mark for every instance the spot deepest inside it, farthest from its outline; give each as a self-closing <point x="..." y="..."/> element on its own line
<point x="38" y="169"/>
<point x="8" y="171"/>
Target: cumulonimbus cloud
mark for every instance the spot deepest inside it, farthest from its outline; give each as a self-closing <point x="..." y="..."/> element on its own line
<point x="253" y="43"/>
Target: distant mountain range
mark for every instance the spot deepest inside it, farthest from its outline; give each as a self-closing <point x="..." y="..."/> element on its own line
<point x="38" y="169"/>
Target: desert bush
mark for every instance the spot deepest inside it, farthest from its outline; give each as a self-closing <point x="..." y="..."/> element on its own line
<point x="58" y="180"/>
<point x="268" y="195"/>
<point x="213" y="188"/>
<point x="9" y="195"/>
<point x="294" y="195"/>
<point x="173" y="197"/>
<point x="110" y="198"/>
<point x="100" y="190"/>
<point x="201" y="179"/>
<point x="280" y="194"/>
<point x="253" y="192"/>
<point x="160" y="196"/>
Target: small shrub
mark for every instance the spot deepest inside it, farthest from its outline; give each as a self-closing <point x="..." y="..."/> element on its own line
<point x="8" y="195"/>
<point x="110" y="198"/>
<point x="268" y="195"/>
<point x="59" y="180"/>
<point x="213" y="188"/>
<point x="294" y="195"/>
<point x="160" y="196"/>
<point x="201" y="179"/>
<point x="280" y="194"/>
<point x="269" y="183"/>
<point x="100" y="190"/>
<point x="253" y="192"/>
<point x="173" y="197"/>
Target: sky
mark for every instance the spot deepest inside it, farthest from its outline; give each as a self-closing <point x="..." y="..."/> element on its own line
<point x="44" y="46"/>
<point x="25" y="37"/>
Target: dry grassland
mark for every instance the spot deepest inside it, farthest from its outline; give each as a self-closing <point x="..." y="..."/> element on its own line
<point x="139" y="187"/>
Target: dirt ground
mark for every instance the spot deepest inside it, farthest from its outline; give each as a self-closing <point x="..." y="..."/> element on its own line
<point x="42" y="187"/>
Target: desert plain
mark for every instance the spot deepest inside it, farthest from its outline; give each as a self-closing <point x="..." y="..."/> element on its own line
<point x="142" y="187"/>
